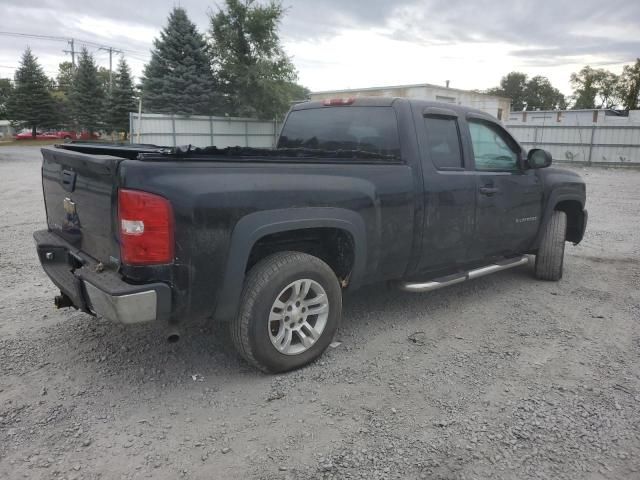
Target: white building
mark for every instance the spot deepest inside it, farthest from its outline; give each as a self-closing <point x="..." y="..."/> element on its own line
<point x="497" y="106"/>
<point x="6" y="131"/>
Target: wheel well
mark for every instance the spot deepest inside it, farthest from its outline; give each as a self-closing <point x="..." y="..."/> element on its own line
<point x="575" y="219"/>
<point x="334" y="246"/>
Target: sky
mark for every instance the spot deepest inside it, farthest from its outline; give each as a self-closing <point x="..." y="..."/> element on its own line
<point x="337" y="44"/>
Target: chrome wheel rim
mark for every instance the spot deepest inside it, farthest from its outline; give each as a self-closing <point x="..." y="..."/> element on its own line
<point x="298" y="317"/>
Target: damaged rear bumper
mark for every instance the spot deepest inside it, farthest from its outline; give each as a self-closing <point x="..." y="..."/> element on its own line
<point x="96" y="291"/>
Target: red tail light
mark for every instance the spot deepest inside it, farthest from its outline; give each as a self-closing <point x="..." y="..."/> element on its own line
<point x="331" y="102"/>
<point x="146" y="228"/>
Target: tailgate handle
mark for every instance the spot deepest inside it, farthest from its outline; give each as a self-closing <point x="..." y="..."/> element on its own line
<point x="68" y="180"/>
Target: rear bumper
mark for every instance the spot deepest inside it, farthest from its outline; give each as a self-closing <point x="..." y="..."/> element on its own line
<point x="96" y="291"/>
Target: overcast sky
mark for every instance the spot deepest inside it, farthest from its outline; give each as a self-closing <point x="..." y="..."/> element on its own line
<point x="362" y="43"/>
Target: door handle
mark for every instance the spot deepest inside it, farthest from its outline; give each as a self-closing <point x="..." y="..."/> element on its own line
<point x="488" y="190"/>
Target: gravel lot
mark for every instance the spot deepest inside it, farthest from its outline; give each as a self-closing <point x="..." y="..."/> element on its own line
<point x="501" y="377"/>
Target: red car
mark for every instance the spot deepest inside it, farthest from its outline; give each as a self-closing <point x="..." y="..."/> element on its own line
<point x="57" y="135"/>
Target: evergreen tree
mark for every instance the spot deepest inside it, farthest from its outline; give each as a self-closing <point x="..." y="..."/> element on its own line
<point x="86" y="95"/>
<point x="121" y="99"/>
<point x="30" y="103"/>
<point x="178" y="78"/>
<point x="64" y="79"/>
<point x="255" y="75"/>
<point x="5" y="92"/>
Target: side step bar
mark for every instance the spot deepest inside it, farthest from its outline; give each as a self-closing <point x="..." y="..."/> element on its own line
<point x="463" y="277"/>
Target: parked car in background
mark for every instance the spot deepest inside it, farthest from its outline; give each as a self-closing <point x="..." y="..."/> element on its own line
<point x="57" y="134"/>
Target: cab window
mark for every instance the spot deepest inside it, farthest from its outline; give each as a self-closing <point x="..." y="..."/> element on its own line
<point x="493" y="149"/>
<point x="443" y="140"/>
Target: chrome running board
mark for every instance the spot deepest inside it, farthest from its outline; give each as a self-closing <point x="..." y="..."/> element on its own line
<point x="463" y="277"/>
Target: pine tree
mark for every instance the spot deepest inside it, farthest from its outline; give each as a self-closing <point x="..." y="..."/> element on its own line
<point x="86" y="95"/>
<point x="255" y="75"/>
<point x="178" y="78"/>
<point x="30" y="103"/>
<point x="121" y="99"/>
<point x="5" y="92"/>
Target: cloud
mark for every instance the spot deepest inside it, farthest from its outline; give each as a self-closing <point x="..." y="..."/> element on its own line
<point x="455" y="36"/>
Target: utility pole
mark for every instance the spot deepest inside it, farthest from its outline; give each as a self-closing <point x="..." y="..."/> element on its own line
<point x="111" y="50"/>
<point x="72" y="52"/>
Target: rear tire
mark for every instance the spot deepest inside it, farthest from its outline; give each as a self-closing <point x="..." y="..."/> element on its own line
<point x="550" y="257"/>
<point x="290" y="309"/>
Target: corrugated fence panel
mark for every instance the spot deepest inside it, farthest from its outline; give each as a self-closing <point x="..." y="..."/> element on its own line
<point x="202" y="126"/>
<point x="202" y="131"/>
<point x="593" y="144"/>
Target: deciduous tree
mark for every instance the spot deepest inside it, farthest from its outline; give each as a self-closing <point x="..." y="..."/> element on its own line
<point x="629" y="86"/>
<point x="512" y="86"/>
<point x="539" y="94"/>
<point x="594" y="88"/>
<point x="255" y="75"/>
<point x="535" y="93"/>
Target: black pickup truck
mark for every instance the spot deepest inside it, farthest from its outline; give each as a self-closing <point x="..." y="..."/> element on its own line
<point x="415" y="193"/>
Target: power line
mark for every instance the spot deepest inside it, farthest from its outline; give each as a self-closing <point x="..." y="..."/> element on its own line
<point x="72" y="41"/>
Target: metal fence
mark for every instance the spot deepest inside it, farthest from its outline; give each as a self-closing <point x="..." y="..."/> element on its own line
<point x="202" y="131"/>
<point x="591" y="144"/>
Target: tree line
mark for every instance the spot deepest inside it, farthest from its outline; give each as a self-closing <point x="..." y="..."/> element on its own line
<point x="592" y="88"/>
<point x="238" y="69"/>
<point x="80" y="97"/>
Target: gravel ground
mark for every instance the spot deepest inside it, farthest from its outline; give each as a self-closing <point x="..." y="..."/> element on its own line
<point x="501" y="377"/>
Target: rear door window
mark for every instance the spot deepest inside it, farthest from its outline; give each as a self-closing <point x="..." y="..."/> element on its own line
<point x="365" y="129"/>
<point x="443" y="143"/>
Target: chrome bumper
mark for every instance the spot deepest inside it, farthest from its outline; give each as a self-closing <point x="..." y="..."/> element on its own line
<point x="140" y="307"/>
<point x="99" y="292"/>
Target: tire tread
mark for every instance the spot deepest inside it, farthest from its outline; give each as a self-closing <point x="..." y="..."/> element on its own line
<point x="550" y="257"/>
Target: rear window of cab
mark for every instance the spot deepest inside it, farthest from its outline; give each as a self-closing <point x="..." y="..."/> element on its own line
<point x="365" y="129"/>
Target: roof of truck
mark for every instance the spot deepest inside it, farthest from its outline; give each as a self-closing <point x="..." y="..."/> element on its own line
<point x="388" y="101"/>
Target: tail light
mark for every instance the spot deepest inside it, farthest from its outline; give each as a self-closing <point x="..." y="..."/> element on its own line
<point x="146" y="228"/>
<point x="332" y="102"/>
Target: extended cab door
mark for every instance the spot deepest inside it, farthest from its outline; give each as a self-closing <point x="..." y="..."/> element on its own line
<point x="509" y="198"/>
<point x="449" y="192"/>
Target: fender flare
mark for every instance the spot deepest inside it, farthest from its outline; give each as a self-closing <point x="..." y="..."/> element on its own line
<point x="255" y="226"/>
<point x="554" y="199"/>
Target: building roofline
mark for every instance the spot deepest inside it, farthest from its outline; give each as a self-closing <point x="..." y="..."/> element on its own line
<point x="428" y="85"/>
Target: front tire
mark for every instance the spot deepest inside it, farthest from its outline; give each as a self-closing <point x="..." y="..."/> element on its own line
<point x="290" y="309"/>
<point x="550" y="257"/>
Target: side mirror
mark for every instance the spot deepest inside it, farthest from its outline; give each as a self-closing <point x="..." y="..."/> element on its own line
<point x="538" y="158"/>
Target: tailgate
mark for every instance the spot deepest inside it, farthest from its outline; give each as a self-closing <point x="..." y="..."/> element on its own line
<point x="80" y="192"/>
